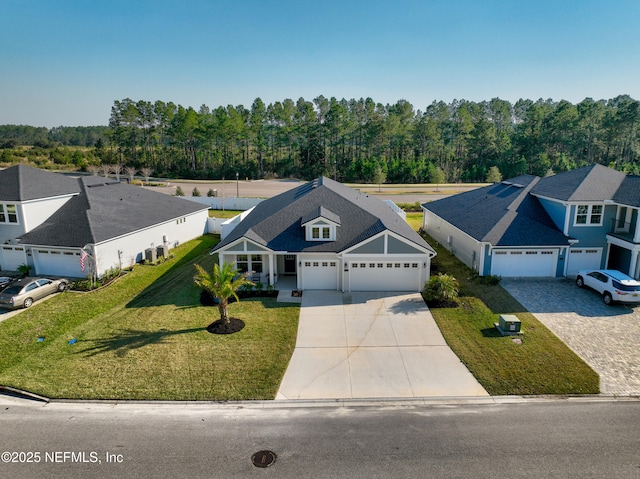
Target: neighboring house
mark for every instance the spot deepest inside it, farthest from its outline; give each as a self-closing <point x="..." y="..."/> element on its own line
<point x="47" y="219"/>
<point x="553" y="226"/>
<point x="330" y="237"/>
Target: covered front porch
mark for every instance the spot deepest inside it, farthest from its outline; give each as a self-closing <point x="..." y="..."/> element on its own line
<point x="266" y="267"/>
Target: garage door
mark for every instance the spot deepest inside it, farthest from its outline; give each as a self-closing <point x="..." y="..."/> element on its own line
<point x="384" y="276"/>
<point x="583" y="258"/>
<point x="57" y="263"/>
<point x="509" y="263"/>
<point x="319" y="274"/>
<point x="11" y="257"/>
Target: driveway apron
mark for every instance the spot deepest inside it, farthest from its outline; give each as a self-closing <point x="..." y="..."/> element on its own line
<point x="372" y="345"/>
<point x="605" y="337"/>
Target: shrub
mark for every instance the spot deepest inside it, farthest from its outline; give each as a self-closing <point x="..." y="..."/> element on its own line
<point x="211" y="193"/>
<point x="195" y="192"/>
<point x="442" y="288"/>
<point x="179" y="191"/>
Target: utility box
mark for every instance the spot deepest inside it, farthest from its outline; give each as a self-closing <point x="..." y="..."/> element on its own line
<point x="150" y="255"/>
<point x="508" y="324"/>
<point x="162" y="251"/>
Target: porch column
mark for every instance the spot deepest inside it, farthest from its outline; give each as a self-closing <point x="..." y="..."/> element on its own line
<point x="636" y="236"/>
<point x="633" y="264"/>
<point x="271" y="275"/>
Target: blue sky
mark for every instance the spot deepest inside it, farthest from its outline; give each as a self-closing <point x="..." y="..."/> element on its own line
<point x="64" y="62"/>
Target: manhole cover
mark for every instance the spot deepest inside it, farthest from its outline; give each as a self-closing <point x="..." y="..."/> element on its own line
<point x="263" y="458"/>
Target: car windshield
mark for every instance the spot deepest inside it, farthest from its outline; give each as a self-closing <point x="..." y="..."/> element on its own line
<point x="13" y="289"/>
<point x="625" y="287"/>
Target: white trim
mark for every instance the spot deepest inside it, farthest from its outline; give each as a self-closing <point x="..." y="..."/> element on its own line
<point x="589" y="214"/>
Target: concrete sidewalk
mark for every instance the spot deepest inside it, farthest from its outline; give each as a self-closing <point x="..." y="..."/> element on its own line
<point x="372" y="345"/>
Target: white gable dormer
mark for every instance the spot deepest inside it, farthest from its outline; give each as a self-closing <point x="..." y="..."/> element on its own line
<point x="321" y="225"/>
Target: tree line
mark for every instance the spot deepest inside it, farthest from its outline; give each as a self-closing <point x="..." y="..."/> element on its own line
<point x="364" y="141"/>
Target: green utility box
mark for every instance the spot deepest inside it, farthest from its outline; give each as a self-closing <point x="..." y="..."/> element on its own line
<point x="508" y="324"/>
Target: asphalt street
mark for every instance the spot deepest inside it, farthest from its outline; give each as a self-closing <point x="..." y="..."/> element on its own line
<point x="489" y="438"/>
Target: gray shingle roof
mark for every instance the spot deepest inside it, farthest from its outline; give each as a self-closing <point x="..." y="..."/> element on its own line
<point x="321" y="212"/>
<point x="589" y="183"/>
<point x="106" y="209"/>
<point x="276" y="222"/>
<point x="629" y="192"/>
<point x="23" y="183"/>
<point x="501" y="214"/>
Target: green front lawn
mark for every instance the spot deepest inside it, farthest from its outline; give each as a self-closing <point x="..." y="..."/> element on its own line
<point x="144" y="337"/>
<point x="542" y="364"/>
<point x="224" y="213"/>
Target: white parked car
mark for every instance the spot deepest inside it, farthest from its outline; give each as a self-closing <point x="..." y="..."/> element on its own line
<point x="611" y="284"/>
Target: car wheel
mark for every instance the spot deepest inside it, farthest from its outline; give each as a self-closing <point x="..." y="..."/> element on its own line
<point x="28" y="302"/>
<point x="580" y="282"/>
<point x="62" y="287"/>
<point x="606" y="297"/>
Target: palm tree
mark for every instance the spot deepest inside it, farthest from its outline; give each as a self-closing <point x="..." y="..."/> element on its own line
<point x="222" y="284"/>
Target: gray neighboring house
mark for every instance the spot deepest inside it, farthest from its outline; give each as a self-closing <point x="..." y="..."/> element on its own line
<point x="553" y="226"/>
<point x="47" y="219"/>
<point x="328" y="237"/>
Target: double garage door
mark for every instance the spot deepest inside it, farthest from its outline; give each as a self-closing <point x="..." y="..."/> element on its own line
<point x="384" y="276"/>
<point x="57" y="263"/>
<point x="363" y="275"/>
<point x="516" y="262"/>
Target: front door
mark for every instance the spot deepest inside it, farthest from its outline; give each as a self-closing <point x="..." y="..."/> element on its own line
<point x="290" y="264"/>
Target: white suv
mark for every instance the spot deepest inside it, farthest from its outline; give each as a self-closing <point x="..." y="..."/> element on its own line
<point x="611" y="284"/>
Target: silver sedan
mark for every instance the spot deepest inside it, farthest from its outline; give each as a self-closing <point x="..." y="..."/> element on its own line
<point x="23" y="292"/>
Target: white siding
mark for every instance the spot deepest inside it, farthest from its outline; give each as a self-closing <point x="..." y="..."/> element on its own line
<point x="133" y="246"/>
<point x="37" y="211"/>
<point x="463" y="246"/>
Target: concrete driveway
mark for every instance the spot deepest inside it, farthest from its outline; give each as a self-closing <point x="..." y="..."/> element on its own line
<point x="606" y="337"/>
<point x="372" y="345"/>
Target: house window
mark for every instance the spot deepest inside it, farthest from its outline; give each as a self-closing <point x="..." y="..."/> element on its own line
<point x="242" y="263"/>
<point x="8" y="213"/>
<point x="256" y="263"/>
<point x="320" y="232"/>
<point x="589" y="215"/>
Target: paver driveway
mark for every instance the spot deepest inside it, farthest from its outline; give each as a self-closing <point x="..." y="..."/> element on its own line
<point x="606" y="337"/>
<point x="372" y="345"/>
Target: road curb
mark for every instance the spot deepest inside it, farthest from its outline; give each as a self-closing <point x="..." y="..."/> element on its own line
<point x="331" y="403"/>
<point x="9" y="391"/>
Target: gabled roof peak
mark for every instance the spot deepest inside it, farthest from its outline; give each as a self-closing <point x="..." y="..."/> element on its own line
<point x="321" y="212"/>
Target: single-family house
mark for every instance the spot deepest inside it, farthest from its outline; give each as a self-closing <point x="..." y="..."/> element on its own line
<point x="328" y="237"/>
<point x="66" y="226"/>
<point x="552" y="226"/>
